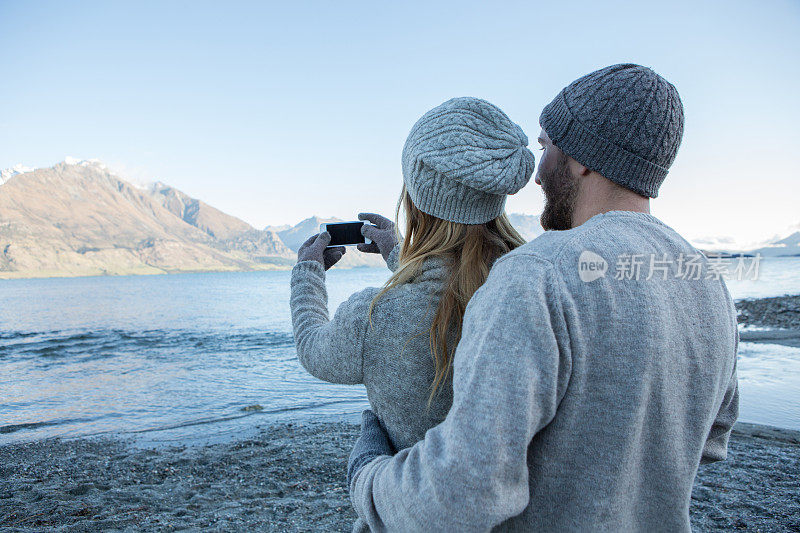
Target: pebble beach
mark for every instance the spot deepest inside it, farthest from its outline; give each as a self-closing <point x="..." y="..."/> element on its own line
<point x="291" y="477"/>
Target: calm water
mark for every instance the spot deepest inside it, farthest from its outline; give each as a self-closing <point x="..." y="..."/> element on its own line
<point x="178" y="358"/>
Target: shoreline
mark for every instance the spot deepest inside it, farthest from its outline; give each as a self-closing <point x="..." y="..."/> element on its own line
<point x="785" y="337"/>
<point x="8" y="276"/>
<point x="291" y="477"/>
<point x="771" y="320"/>
<point x="286" y="264"/>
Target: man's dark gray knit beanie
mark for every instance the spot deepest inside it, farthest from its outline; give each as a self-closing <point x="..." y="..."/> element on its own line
<point x="462" y="158"/>
<point x="624" y="122"/>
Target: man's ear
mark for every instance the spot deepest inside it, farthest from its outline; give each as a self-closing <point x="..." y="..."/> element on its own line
<point x="578" y="169"/>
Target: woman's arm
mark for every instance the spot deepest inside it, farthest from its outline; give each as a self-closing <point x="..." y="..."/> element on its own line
<point x="330" y="350"/>
<point x="393" y="258"/>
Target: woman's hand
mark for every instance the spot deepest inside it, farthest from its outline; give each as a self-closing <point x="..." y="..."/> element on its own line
<point x="383" y="235"/>
<point x="314" y="249"/>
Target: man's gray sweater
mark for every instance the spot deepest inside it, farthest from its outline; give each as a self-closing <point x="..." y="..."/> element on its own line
<point x="584" y="398"/>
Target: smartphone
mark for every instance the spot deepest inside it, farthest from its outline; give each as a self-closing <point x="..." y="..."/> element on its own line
<point x="345" y="233"/>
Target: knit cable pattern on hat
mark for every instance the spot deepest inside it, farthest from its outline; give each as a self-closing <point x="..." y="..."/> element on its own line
<point x="623" y="121"/>
<point x="462" y="158"/>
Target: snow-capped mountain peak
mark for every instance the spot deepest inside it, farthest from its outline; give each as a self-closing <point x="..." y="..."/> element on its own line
<point x="69" y="160"/>
<point x="8" y="173"/>
<point x="145" y="185"/>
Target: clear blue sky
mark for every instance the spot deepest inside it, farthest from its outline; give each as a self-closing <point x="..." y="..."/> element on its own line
<point x="274" y="112"/>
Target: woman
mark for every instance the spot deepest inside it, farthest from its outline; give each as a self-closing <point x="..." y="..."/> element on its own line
<point x="460" y="161"/>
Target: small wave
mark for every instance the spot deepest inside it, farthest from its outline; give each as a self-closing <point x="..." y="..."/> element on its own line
<point x="200" y="421"/>
<point x="104" y="343"/>
<point x="19" y="334"/>
<point x="254" y="412"/>
<point x="12" y="428"/>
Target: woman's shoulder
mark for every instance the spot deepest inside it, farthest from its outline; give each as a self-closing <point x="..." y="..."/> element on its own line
<point x="362" y="300"/>
<point x="404" y="296"/>
<point x="365" y="297"/>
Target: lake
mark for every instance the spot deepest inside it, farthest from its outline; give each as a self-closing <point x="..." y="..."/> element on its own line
<point x="204" y="357"/>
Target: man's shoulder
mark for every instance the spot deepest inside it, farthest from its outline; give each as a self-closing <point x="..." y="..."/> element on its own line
<point x="549" y="248"/>
<point x="533" y="260"/>
<point x="604" y="234"/>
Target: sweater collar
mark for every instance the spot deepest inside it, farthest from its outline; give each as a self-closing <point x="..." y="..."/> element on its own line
<point x="432" y="268"/>
<point x="636" y="215"/>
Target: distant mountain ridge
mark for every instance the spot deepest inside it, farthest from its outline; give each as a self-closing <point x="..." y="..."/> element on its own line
<point x="8" y="173"/>
<point x="79" y="218"/>
<point x="293" y="236"/>
<point x="787" y="246"/>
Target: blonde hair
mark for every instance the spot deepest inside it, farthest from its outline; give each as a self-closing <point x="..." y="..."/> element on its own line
<point x="470" y="250"/>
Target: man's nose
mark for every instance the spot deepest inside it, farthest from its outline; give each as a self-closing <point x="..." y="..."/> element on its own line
<point x="537" y="180"/>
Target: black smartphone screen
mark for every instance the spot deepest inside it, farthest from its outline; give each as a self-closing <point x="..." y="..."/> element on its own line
<point x="345" y="233"/>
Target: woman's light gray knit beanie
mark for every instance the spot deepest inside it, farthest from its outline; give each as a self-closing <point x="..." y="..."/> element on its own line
<point x="462" y="158"/>
<point x="623" y="121"/>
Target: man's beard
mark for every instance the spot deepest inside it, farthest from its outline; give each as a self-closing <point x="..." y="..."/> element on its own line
<point x="560" y="191"/>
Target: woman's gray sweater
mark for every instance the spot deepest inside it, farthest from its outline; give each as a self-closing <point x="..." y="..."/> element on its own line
<point x="391" y="357"/>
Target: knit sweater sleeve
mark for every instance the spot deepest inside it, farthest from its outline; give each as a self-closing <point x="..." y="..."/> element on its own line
<point x="511" y="370"/>
<point x="393" y="259"/>
<point x="331" y="350"/>
<point x="716" y="445"/>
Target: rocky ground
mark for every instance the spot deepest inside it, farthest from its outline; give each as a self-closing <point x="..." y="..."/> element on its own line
<point x="782" y="312"/>
<point x="291" y="478"/>
<point x="756" y="489"/>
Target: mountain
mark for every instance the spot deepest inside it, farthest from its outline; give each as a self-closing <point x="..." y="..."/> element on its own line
<point x="197" y="213"/>
<point x="295" y="236"/>
<point x="78" y="218"/>
<point x="787" y="246"/>
<point x="232" y="234"/>
<point x="278" y="229"/>
<point x="9" y="173"/>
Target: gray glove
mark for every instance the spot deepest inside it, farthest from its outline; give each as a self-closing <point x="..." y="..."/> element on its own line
<point x="314" y="249"/>
<point x="373" y="442"/>
<point x="383" y="235"/>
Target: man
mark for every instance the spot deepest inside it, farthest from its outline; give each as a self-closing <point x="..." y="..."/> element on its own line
<point x="597" y="368"/>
